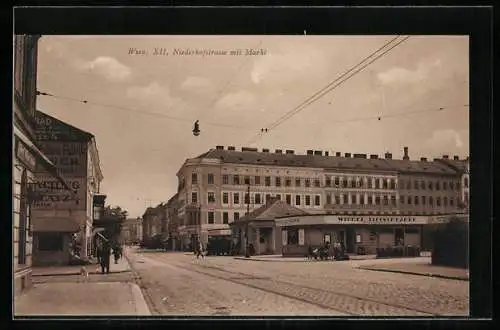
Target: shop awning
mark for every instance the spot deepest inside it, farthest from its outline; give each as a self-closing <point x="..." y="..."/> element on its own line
<point x="219" y="232"/>
<point x="61" y="225"/>
<point x="47" y="164"/>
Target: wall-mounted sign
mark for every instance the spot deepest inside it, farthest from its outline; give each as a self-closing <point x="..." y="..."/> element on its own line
<point x="24" y="154"/>
<point x="360" y="220"/>
<point x="53" y="195"/>
<point x="358" y="238"/>
<point x="70" y="158"/>
<point x="301" y="236"/>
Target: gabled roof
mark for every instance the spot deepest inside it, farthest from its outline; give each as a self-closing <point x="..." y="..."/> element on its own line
<point x="272" y="209"/>
<point x="48" y="128"/>
<point x="457" y="165"/>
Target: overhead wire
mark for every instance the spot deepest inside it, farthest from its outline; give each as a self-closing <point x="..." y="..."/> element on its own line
<point x="337" y="82"/>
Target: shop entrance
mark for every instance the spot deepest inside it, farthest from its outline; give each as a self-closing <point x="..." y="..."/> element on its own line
<point x="350" y="238"/>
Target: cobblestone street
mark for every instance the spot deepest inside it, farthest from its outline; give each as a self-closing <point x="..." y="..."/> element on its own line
<point x="177" y="283"/>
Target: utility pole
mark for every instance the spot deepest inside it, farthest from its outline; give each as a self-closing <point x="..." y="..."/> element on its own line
<point x="247" y="251"/>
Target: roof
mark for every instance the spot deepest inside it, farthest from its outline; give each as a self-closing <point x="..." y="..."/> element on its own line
<point x="326" y="162"/>
<point x="51" y="128"/>
<point x="272" y="209"/>
<point x="458" y="165"/>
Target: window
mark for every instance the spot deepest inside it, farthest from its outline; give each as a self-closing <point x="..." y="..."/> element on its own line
<point x="370" y="200"/>
<point x="445" y="201"/>
<point x="236" y="179"/>
<point x="268" y="197"/>
<point x="430" y="185"/>
<point x="211" y="197"/>
<point x="328" y="182"/>
<point x="423" y="200"/>
<point x="297" y="199"/>
<point x="236" y="198"/>
<point x="422" y="184"/>
<point x="247" y="198"/>
<point x="393" y="184"/>
<point x="377" y="184"/>
<point x="50" y="241"/>
<point x="401" y="199"/>
<point x="466" y="182"/>
<point x="337" y="199"/>
<point x="452" y="201"/>
<point x="346" y="199"/>
<point x="278" y="197"/>
<point x="384" y="183"/>
<point x="292" y="236"/>
<point x="308" y="200"/>
<point x="236" y="216"/>
<point x="438" y="201"/>
<point x="267" y="181"/>
<point x="194" y="178"/>
<point x="247" y="180"/>
<point x="225" y="179"/>
<point x="277" y="181"/>
<point x="362" y="199"/>
<point x="409" y="200"/>
<point x="353" y="183"/>
<point x="307" y="182"/>
<point x="437" y="185"/>
<point x="360" y="183"/>
<point x="257" y="180"/>
<point x="225" y="218"/>
<point x="344" y="183"/>
<point x="415" y="185"/>
<point x="377" y="200"/>
<point x="370" y="183"/>
<point x="416" y="200"/>
<point x="288" y="199"/>
<point x="257" y="199"/>
<point x="386" y="200"/>
<point x="328" y="199"/>
<point x="408" y="184"/>
<point x="431" y="201"/>
<point x="288" y="182"/>
<point x="211" y="218"/>
<point x="452" y="185"/>
<point x="194" y="197"/>
<point x="317" y="183"/>
<point x="445" y="185"/>
<point x="337" y="182"/>
<point x="210" y="178"/>
<point x="225" y="198"/>
<point x="393" y="200"/>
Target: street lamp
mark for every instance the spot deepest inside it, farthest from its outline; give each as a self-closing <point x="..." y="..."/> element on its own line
<point x="247" y="250"/>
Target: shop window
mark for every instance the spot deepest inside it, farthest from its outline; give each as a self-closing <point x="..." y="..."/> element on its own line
<point x="292" y="237"/>
<point x="50" y="241"/>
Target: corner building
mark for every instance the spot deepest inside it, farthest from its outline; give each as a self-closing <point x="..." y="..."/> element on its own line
<point x="221" y="185"/>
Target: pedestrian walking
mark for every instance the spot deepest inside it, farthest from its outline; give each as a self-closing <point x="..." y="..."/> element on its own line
<point x="105" y="257"/>
<point x="199" y="251"/>
<point x="117" y="253"/>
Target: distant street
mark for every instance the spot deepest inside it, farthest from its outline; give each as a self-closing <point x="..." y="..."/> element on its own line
<point x="178" y="284"/>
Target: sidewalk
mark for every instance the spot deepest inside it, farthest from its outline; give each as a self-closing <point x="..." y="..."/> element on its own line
<point x="87" y="299"/>
<point x="121" y="267"/>
<point x="280" y="258"/>
<point x="422" y="269"/>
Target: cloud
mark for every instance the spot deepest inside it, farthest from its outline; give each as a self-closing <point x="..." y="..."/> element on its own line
<point x="287" y="65"/>
<point x="107" y="67"/>
<point x="397" y="75"/>
<point x="445" y="140"/>
<point x="154" y="93"/>
<point x="195" y="83"/>
<point x="237" y="100"/>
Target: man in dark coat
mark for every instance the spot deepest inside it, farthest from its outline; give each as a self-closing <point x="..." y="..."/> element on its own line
<point x="105" y="257"/>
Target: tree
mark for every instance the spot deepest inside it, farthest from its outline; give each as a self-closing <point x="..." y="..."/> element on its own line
<point x="113" y="218"/>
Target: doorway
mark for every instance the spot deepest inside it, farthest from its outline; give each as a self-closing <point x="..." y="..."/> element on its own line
<point x="350" y="240"/>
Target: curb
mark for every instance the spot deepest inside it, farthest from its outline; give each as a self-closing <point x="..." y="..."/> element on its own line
<point x="78" y="273"/>
<point x="140" y="302"/>
<point x="458" y="278"/>
<point x="283" y="260"/>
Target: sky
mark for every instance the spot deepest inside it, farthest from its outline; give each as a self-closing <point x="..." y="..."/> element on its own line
<point x="141" y="107"/>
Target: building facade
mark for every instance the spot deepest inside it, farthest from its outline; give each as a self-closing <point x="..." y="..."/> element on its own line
<point x="220" y="186"/>
<point x="154" y="222"/>
<point x="61" y="223"/>
<point x="132" y="231"/>
<point x="26" y="158"/>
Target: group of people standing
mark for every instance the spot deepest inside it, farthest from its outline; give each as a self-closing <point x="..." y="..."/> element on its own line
<point x="104" y="250"/>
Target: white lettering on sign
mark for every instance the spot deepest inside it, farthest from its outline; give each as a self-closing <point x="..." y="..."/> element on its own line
<point x="25" y="155"/>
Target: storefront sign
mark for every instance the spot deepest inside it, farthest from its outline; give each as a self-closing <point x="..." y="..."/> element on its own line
<point x="361" y="220"/>
<point x="301" y="236"/>
<point x="53" y="195"/>
<point x="25" y="155"/>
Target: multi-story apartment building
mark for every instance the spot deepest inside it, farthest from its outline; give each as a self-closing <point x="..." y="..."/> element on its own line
<point x="174" y="223"/>
<point x="56" y="216"/>
<point x="26" y="157"/>
<point x="154" y="221"/>
<point x="132" y="231"/>
<point x="220" y="186"/>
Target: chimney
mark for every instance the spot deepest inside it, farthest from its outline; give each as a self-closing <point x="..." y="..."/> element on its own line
<point x="219" y="147"/>
<point x="373" y="156"/>
<point x="278" y="151"/>
<point x="388" y="155"/>
<point x="423" y="159"/>
<point x="318" y="152"/>
<point x="456" y="157"/>
<point x="265" y="150"/>
<point x="327" y="153"/>
<point x="338" y="154"/>
<point x="231" y="148"/>
<point x="445" y="156"/>
<point x="347" y="155"/>
<point x="290" y="152"/>
<point x="406" y="157"/>
<point x="310" y="152"/>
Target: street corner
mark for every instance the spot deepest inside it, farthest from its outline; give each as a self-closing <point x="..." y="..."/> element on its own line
<point x="141" y="306"/>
